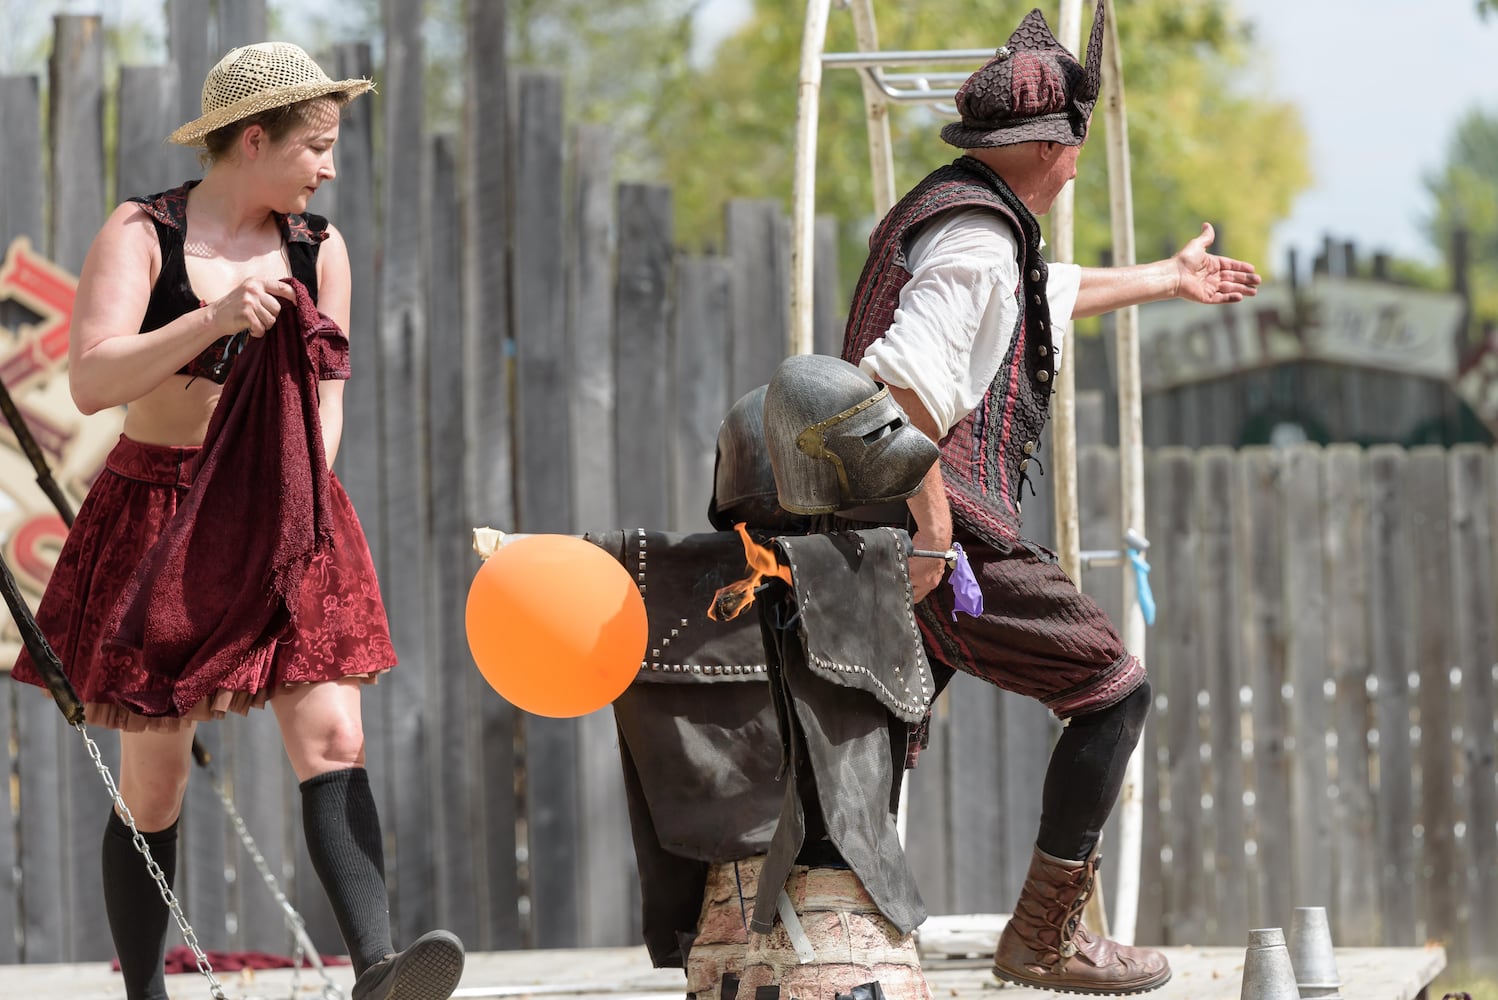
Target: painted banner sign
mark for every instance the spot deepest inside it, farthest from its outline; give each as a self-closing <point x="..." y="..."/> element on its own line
<point x="1358" y="323"/>
<point x="36" y="309"/>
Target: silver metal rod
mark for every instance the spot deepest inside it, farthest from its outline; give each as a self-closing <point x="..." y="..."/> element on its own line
<point x="924" y="79"/>
<point x="858" y="60"/>
<point x="909" y="96"/>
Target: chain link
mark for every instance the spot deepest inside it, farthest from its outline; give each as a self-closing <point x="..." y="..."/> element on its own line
<point x="330" y="990"/>
<point x="152" y="867"/>
<point x="294" y="922"/>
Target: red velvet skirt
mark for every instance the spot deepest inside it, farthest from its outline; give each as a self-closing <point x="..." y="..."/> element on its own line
<point x="341" y="629"/>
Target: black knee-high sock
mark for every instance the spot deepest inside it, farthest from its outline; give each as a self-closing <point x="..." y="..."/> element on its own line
<point x="342" y="827"/>
<point x="138" y="916"/>
<point x="1085" y="774"/>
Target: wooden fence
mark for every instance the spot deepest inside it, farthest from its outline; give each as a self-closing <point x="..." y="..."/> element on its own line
<point x="532" y="352"/>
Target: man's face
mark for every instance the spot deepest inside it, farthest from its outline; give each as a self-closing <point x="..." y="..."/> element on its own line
<point x="1062" y="168"/>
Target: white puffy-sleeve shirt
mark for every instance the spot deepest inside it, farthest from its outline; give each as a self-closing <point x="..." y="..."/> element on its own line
<point x="958" y="311"/>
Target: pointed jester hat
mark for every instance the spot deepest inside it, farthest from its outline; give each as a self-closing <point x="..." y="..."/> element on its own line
<point x="1032" y="90"/>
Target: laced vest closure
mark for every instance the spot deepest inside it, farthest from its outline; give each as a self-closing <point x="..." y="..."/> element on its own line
<point x="987" y="455"/>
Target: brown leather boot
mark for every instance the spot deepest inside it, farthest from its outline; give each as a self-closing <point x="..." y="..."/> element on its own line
<point x="1045" y="945"/>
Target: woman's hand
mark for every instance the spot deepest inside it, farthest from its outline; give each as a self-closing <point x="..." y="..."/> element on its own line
<point x="253" y="305"/>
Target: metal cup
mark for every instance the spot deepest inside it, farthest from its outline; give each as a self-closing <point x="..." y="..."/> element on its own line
<point x="1311" y="954"/>
<point x="1267" y="972"/>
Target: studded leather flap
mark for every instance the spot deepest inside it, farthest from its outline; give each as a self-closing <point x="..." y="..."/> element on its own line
<point x="857" y="623"/>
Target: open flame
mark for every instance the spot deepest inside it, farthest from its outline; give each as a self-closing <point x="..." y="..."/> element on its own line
<point x="731" y="600"/>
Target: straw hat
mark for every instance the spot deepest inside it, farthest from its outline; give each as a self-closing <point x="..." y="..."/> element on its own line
<point x="256" y="78"/>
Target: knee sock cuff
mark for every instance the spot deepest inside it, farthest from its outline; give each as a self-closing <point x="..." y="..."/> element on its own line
<point x="342" y="777"/>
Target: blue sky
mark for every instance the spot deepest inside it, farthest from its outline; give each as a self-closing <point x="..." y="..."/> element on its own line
<point x="1380" y="85"/>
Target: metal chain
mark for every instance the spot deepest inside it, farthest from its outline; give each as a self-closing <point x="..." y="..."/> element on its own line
<point x="152" y="867"/>
<point x="330" y="990"/>
<point x="294" y="922"/>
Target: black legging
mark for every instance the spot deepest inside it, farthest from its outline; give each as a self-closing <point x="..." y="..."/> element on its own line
<point x="1086" y="773"/>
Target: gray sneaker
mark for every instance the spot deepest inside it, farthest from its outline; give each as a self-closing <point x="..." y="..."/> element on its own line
<point x="427" y="970"/>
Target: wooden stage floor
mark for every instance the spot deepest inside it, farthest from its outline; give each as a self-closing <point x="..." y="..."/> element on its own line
<point x="625" y="974"/>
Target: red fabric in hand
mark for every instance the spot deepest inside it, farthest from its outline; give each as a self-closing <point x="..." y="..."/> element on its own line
<point x="221" y="584"/>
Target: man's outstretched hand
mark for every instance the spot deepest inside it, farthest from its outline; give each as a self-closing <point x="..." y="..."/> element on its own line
<point x="1211" y="278"/>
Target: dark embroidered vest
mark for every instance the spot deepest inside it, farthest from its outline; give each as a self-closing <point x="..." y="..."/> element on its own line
<point x="986" y="456"/>
<point x="172" y="295"/>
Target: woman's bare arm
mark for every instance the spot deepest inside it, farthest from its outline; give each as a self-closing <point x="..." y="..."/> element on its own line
<point x="109" y="361"/>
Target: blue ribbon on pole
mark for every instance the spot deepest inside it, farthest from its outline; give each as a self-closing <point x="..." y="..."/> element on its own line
<point x="1142" y="585"/>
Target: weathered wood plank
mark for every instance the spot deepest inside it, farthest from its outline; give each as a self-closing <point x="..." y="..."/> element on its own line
<point x="606" y="865"/>
<point x="144" y="162"/>
<point x="1391" y="648"/>
<point x="1474" y="517"/>
<point x="486" y="304"/>
<point x="1264" y="673"/>
<point x="42" y="736"/>
<point x="1432" y="619"/>
<point x="975" y="798"/>
<point x="485" y="176"/>
<point x="243" y="23"/>
<point x="193" y="51"/>
<point x="1100" y="527"/>
<point x="1154" y="868"/>
<point x="590" y="327"/>
<point x="543" y="434"/>
<point x="77" y="210"/>
<point x="1027" y="732"/>
<point x="202" y="852"/>
<point x="403" y="344"/>
<point x="9" y="902"/>
<point x="253" y="769"/>
<point x="828" y="308"/>
<point x="1175" y="657"/>
<point x="642" y="311"/>
<point x="555" y="829"/>
<point x="1355" y="892"/>
<point x="1222" y="674"/>
<point x="455" y="683"/>
<point x="697" y="363"/>
<point x="76" y="131"/>
<point x="758" y="239"/>
<point x="1311" y="829"/>
<point x="22" y="196"/>
<point x="928" y="833"/>
<point x="352" y="210"/>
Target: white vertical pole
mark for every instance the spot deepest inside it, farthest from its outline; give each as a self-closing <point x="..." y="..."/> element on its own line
<point x="1131" y="469"/>
<point x="1064" y="392"/>
<point x="1064" y="401"/>
<point x="804" y="186"/>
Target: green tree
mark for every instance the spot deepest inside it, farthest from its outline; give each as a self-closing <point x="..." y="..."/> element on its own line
<point x="618" y="60"/>
<point x="1465" y="191"/>
<point x="1202" y="146"/>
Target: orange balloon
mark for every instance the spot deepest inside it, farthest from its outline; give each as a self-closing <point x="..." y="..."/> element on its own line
<point x="556" y="625"/>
